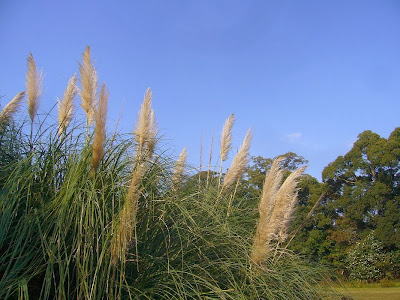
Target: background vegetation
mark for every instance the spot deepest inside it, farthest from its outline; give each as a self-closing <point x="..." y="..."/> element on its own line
<point x="359" y="213"/>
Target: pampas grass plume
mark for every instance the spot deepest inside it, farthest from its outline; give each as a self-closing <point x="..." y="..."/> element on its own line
<point x="66" y="105"/>
<point x="271" y="187"/>
<point x="179" y="168"/>
<point x="100" y="129"/>
<point x="239" y="163"/>
<point x="145" y="126"/>
<point x="125" y="229"/>
<point x="12" y="107"/>
<point x="88" y="92"/>
<point x="226" y="137"/>
<point x="288" y="193"/>
<point x="33" y="87"/>
<point x="152" y="137"/>
<point x="275" y="219"/>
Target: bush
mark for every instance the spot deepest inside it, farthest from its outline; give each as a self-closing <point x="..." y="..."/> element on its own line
<point x="366" y="260"/>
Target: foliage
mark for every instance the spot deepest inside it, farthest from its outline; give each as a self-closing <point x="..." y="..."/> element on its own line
<point x="364" y="186"/>
<point x="364" y="194"/>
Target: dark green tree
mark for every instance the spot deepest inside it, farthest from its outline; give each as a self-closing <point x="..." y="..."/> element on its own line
<point x="363" y="188"/>
<point x="314" y="219"/>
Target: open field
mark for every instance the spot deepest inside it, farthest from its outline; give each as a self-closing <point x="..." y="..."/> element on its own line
<point x="376" y="293"/>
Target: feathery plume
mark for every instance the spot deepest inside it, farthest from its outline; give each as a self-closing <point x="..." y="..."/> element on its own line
<point x="179" y="168"/>
<point x="274" y="226"/>
<point x="12" y="107"/>
<point x="33" y="87"/>
<point x="288" y="193"/>
<point x="88" y="93"/>
<point x="144" y="128"/>
<point x="100" y="129"/>
<point x="226" y="137"/>
<point x="239" y="162"/>
<point x="126" y="228"/>
<point x="66" y="105"/>
<point x="271" y="186"/>
<point x="153" y="130"/>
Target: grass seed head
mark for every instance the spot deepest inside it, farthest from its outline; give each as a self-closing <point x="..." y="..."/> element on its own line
<point x="12" y="107"/>
<point x="239" y="163"/>
<point x="179" y="168"/>
<point x="145" y="129"/>
<point x="33" y="87"/>
<point x="125" y="228"/>
<point x="100" y="128"/>
<point x="66" y="105"/>
<point x="88" y="92"/>
<point x="226" y="137"/>
<point x="271" y="186"/>
<point x="275" y="220"/>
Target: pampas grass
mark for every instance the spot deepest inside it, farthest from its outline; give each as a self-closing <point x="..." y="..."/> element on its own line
<point x="271" y="187"/>
<point x="100" y="128"/>
<point x="276" y="210"/>
<point x="66" y="105"/>
<point x="179" y="169"/>
<point x="88" y="91"/>
<point x="239" y="163"/>
<point x="145" y="136"/>
<point x="152" y="136"/>
<point x="97" y="218"/>
<point x="145" y="129"/>
<point x="33" y="87"/>
<point x="226" y="137"/>
<point x="12" y="107"/>
<point x="125" y="227"/>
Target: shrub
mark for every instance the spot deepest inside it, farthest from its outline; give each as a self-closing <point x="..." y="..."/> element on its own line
<point x="365" y="261"/>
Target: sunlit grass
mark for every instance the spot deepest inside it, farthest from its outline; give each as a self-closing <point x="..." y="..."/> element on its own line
<point x="84" y="215"/>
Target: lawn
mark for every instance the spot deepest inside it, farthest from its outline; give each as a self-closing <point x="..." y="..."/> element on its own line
<point x="376" y="293"/>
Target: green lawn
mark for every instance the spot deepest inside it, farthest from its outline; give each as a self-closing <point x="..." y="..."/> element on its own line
<point x="372" y="293"/>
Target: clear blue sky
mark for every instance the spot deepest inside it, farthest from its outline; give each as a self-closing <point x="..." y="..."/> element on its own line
<point x="307" y="76"/>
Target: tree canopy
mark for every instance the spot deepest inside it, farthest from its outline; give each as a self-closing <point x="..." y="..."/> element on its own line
<point x="361" y="196"/>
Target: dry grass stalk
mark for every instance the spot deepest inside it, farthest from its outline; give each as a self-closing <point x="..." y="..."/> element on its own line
<point x="88" y="92"/>
<point x="12" y="107"/>
<point x="239" y="163"/>
<point x="66" y="105"/>
<point x="309" y="215"/>
<point x="33" y="87"/>
<point x="200" y="161"/>
<point x="179" y="169"/>
<point x="226" y="137"/>
<point x="100" y="129"/>
<point x="210" y="159"/>
<point x="125" y="230"/>
<point x="274" y="226"/>
<point x="145" y="129"/>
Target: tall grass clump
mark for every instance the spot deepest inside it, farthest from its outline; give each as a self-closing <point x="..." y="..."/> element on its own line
<point x="87" y="216"/>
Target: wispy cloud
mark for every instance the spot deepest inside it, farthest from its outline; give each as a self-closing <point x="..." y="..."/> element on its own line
<point x="292" y="137"/>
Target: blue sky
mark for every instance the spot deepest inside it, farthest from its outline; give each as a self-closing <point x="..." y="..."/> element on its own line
<point x="307" y="76"/>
